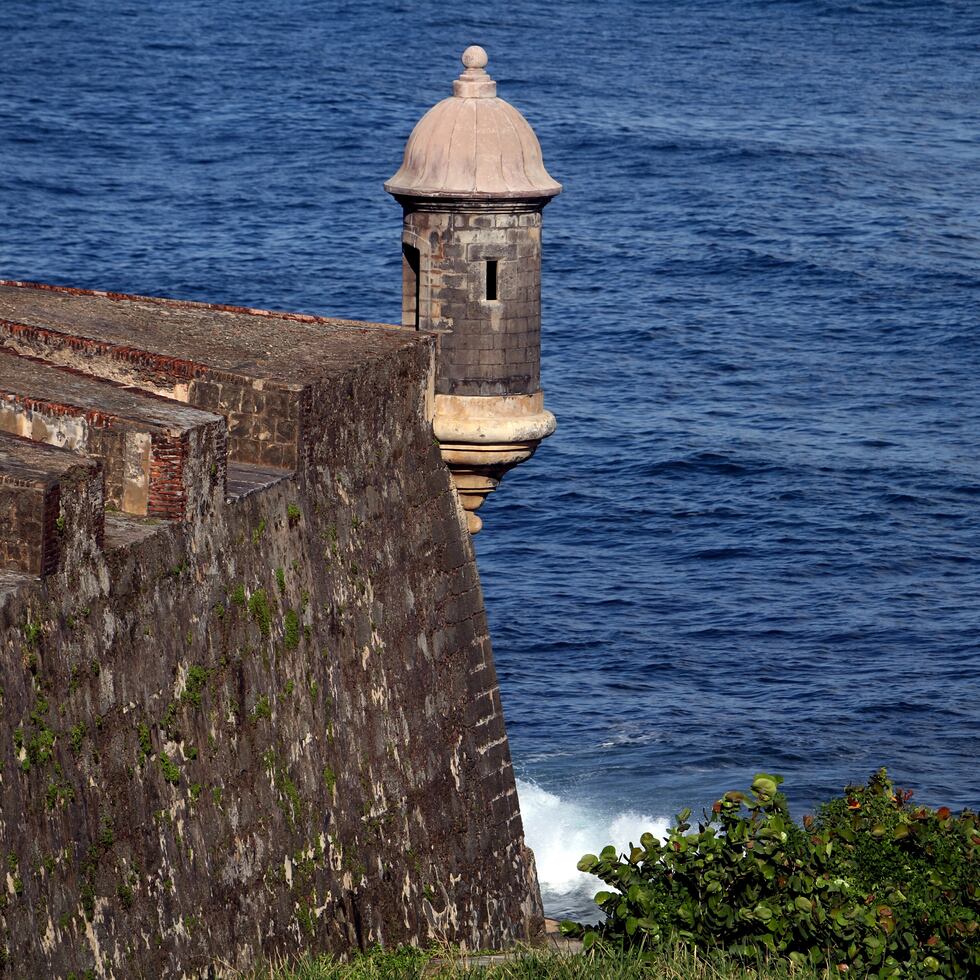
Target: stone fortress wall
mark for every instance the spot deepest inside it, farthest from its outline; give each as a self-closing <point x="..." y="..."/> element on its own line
<point x="249" y="701"/>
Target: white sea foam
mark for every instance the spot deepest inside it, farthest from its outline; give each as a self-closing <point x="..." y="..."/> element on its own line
<point x="560" y="831"/>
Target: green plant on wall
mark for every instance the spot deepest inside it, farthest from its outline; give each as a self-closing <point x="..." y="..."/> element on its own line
<point x="194" y="684"/>
<point x="169" y="768"/>
<point x="145" y="745"/>
<point x="32" y="633"/>
<point x="291" y="629"/>
<point x="258" y="607"/>
<point x="262" y="709"/>
<point x="35" y="741"/>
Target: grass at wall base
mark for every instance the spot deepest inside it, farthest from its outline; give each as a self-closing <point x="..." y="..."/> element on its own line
<point x="872" y="886"/>
<point x="530" y="964"/>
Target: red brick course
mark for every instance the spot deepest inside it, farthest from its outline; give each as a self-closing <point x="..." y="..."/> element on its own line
<point x="168" y="496"/>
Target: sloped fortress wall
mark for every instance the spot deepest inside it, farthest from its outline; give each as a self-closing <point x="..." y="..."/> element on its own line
<point x="272" y="724"/>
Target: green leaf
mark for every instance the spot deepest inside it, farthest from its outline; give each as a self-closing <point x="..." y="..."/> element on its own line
<point x="765" y="784"/>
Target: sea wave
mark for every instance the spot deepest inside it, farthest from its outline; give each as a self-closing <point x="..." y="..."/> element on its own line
<point x="560" y="831"/>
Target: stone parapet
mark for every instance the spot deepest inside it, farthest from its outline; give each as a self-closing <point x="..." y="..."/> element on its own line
<point x="252" y="366"/>
<point x="160" y="458"/>
<point x="47" y="496"/>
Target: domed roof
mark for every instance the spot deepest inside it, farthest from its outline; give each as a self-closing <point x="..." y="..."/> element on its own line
<point x="473" y="145"/>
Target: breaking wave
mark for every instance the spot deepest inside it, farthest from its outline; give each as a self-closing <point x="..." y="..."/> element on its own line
<point x="560" y="831"/>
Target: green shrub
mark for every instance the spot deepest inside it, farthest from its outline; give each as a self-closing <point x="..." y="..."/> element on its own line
<point x="872" y="885"/>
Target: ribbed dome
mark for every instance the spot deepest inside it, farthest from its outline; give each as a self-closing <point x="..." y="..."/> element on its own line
<point x="473" y="145"/>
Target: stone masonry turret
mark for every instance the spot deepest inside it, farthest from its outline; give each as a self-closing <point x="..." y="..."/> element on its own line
<point x="473" y="186"/>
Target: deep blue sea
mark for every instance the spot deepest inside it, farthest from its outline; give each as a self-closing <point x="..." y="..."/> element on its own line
<point x="754" y="542"/>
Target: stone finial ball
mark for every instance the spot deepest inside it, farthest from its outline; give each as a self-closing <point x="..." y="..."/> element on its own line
<point x="474" y="57"/>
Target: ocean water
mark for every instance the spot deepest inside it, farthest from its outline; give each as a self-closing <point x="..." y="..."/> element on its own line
<point x="753" y="543"/>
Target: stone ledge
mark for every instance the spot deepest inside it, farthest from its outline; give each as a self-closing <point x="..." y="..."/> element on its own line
<point x="255" y="367"/>
<point x="151" y="448"/>
<point x="46" y="495"/>
<point x="245" y="479"/>
<point x="232" y="341"/>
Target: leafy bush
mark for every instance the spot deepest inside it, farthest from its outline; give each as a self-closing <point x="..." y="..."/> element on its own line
<point x="872" y="885"/>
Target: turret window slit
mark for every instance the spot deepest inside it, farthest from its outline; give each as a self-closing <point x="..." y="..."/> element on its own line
<point x="411" y="265"/>
<point x="491" y="278"/>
